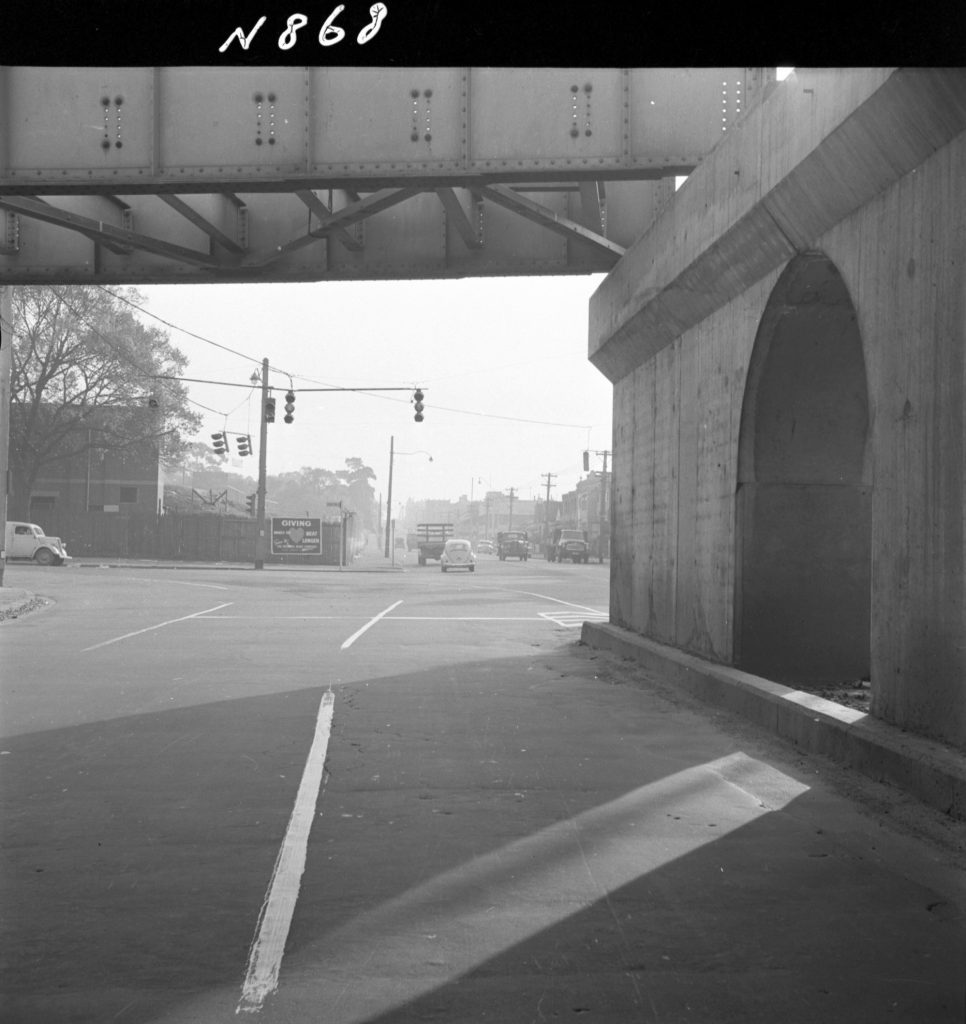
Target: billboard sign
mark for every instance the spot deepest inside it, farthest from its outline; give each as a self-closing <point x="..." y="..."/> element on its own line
<point x="296" y="536"/>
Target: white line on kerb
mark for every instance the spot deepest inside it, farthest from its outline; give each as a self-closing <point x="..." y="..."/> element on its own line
<point x="147" y="629"/>
<point x="355" y="636"/>
<point x="265" y="958"/>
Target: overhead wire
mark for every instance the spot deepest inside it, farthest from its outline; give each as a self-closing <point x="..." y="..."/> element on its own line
<point x="371" y="393"/>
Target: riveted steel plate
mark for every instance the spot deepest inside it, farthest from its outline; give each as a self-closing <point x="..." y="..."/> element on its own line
<point x="64" y="122"/>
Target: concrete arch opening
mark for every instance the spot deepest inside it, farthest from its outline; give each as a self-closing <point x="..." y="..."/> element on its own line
<point x="803" y="600"/>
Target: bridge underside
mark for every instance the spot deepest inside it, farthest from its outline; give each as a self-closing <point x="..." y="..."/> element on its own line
<point x="162" y="175"/>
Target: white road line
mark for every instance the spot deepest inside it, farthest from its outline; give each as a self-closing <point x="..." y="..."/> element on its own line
<point x="571" y="604"/>
<point x="355" y="636"/>
<point x="463" y="618"/>
<point x="285" y="618"/>
<point x="148" y="629"/>
<point x="265" y="957"/>
<point x="176" y="583"/>
<point x="544" y="597"/>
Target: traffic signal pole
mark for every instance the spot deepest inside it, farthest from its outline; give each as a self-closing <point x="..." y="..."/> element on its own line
<point x="261" y="538"/>
<point x="389" y="497"/>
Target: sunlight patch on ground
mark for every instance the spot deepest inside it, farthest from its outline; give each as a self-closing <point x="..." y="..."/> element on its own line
<point x="447" y="927"/>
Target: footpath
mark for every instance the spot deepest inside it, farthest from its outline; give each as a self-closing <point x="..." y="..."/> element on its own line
<point x="930" y="771"/>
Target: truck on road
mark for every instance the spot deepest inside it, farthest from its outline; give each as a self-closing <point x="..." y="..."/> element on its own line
<point x="512" y="544"/>
<point x="431" y="538"/>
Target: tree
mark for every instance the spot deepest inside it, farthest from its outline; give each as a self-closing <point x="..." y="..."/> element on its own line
<point x="83" y="379"/>
<point x="362" y="495"/>
<point x="310" y="490"/>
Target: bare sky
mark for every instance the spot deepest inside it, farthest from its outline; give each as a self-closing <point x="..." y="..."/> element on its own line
<point x="510" y="395"/>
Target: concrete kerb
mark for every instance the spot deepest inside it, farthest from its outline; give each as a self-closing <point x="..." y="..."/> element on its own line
<point x="929" y="771"/>
<point x="94" y="563"/>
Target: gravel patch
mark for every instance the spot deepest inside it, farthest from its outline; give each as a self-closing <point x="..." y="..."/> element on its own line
<point x="15" y="611"/>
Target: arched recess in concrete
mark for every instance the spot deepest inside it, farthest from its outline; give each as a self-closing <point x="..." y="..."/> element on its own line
<point x="803" y="600"/>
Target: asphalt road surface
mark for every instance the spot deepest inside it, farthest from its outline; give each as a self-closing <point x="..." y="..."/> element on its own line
<point x="303" y="796"/>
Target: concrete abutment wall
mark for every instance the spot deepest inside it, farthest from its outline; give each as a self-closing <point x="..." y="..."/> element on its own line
<point x="789" y="486"/>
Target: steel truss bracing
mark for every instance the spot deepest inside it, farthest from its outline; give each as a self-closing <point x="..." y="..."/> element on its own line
<point x="233" y="174"/>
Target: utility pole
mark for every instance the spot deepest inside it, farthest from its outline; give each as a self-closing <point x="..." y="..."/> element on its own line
<point x="603" y="499"/>
<point x="548" y="477"/>
<point x="600" y="518"/>
<point x="261" y="540"/>
<point x="389" y="495"/>
<point x="512" y="495"/>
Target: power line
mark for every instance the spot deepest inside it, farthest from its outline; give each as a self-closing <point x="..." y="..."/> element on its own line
<point x="123" y="356"/>
<point x="328" y="387"/>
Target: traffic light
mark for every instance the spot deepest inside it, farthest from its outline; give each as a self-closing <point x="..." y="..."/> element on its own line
<point x="244" y="444"/>
<point x="221" y="445"/>
<point x="418" y="400"/>
<point x="586" y="461"/>
<point x="289" y="406"/>
<point x="250" y="502"/>
<point x="269" y="410"/>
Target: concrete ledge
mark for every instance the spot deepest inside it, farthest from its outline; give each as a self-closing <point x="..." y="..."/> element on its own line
<point x="929" y="771"/>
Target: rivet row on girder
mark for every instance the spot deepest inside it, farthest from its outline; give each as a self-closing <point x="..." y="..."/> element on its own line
<point x="421" y="122"/>
<point x="106" y="104"/>
<point x="575" y="112"/>
<point x="11" y="240"/>
<point x="262" y="100"/>
<point x="725" y="119"/>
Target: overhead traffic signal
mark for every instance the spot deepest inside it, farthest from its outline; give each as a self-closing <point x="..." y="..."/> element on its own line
<point x="586" y="461"/>
<point x="269" y="410"/>
<point x="244" y="444"/>
<point x="250" y="502"/>
<point x="220" y="444"/>
<point x="289" y="406"/>
<point x="418" y="403"/>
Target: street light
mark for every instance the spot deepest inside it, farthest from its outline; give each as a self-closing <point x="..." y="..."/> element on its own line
<point x="392" y="454"/>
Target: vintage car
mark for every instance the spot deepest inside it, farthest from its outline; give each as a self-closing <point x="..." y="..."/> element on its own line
<point x="28" y="541"/>
<point x="512" y="544"/>
<point x="570" y="544"/>
<point x="457" y="554"/>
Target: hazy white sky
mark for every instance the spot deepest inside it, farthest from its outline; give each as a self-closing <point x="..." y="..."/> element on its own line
<point x="510" y="395"/>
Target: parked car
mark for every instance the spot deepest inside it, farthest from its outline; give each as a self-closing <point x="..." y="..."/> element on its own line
<point x="28" y="541"/>
<point x="457" y="554"/>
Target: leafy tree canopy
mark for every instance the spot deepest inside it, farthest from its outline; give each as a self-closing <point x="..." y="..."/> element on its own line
<point x="310" y="491"/>
<point x="84" y="370"/>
